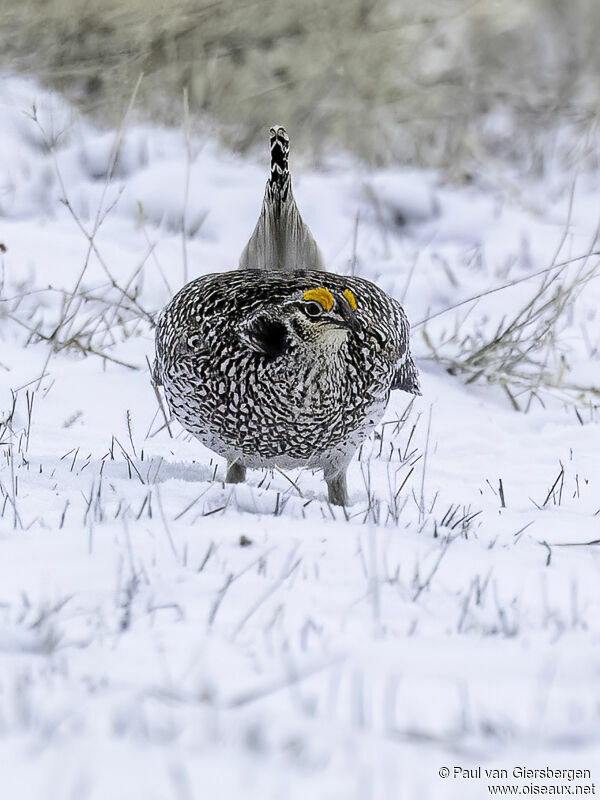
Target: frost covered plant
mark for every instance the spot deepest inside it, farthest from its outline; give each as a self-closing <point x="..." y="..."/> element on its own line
<point x="525" y="354"/>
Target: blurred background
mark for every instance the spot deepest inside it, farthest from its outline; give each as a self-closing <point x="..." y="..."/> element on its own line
<point x="440" y="83"/>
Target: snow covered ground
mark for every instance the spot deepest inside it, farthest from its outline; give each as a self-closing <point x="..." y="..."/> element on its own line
<point x="163" y="635"/>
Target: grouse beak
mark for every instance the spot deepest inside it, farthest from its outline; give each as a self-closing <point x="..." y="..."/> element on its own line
<point x="348" y="317"/>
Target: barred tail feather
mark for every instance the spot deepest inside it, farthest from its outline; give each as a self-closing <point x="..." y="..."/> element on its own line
<point x="281" y="240"/>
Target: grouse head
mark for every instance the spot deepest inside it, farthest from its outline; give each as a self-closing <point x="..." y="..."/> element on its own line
<point x="318" y="320"/>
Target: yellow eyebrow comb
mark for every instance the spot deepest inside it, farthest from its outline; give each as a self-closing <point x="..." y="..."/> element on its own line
<point x="322" y="296"/>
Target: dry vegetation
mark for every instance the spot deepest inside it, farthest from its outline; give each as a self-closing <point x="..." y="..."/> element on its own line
<point x="525" y="354"/>
<point x="387" y="81"/>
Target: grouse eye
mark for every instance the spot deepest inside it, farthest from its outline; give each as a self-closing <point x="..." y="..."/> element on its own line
<point x="313" y="309"/>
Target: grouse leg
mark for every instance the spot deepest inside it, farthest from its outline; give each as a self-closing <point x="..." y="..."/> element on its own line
<point x="336" y="487"/>
<point x="236" y="472"/>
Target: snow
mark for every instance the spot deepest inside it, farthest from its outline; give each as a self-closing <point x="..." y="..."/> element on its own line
<point x="163" y="635"/>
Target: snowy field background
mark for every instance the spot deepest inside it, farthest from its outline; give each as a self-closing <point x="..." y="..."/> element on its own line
<point x="163" y="635"/>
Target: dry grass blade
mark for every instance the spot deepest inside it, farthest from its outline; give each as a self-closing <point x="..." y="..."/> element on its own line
<point x="524" y="354"/>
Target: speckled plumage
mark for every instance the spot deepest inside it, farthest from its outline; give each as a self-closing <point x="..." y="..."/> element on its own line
<point x="249" y="370"/>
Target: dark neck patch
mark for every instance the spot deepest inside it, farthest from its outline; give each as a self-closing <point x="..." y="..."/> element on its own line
<point x="268" y="336"/>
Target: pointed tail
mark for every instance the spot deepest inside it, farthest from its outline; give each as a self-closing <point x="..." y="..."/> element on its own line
<point x="281" y="240"/>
